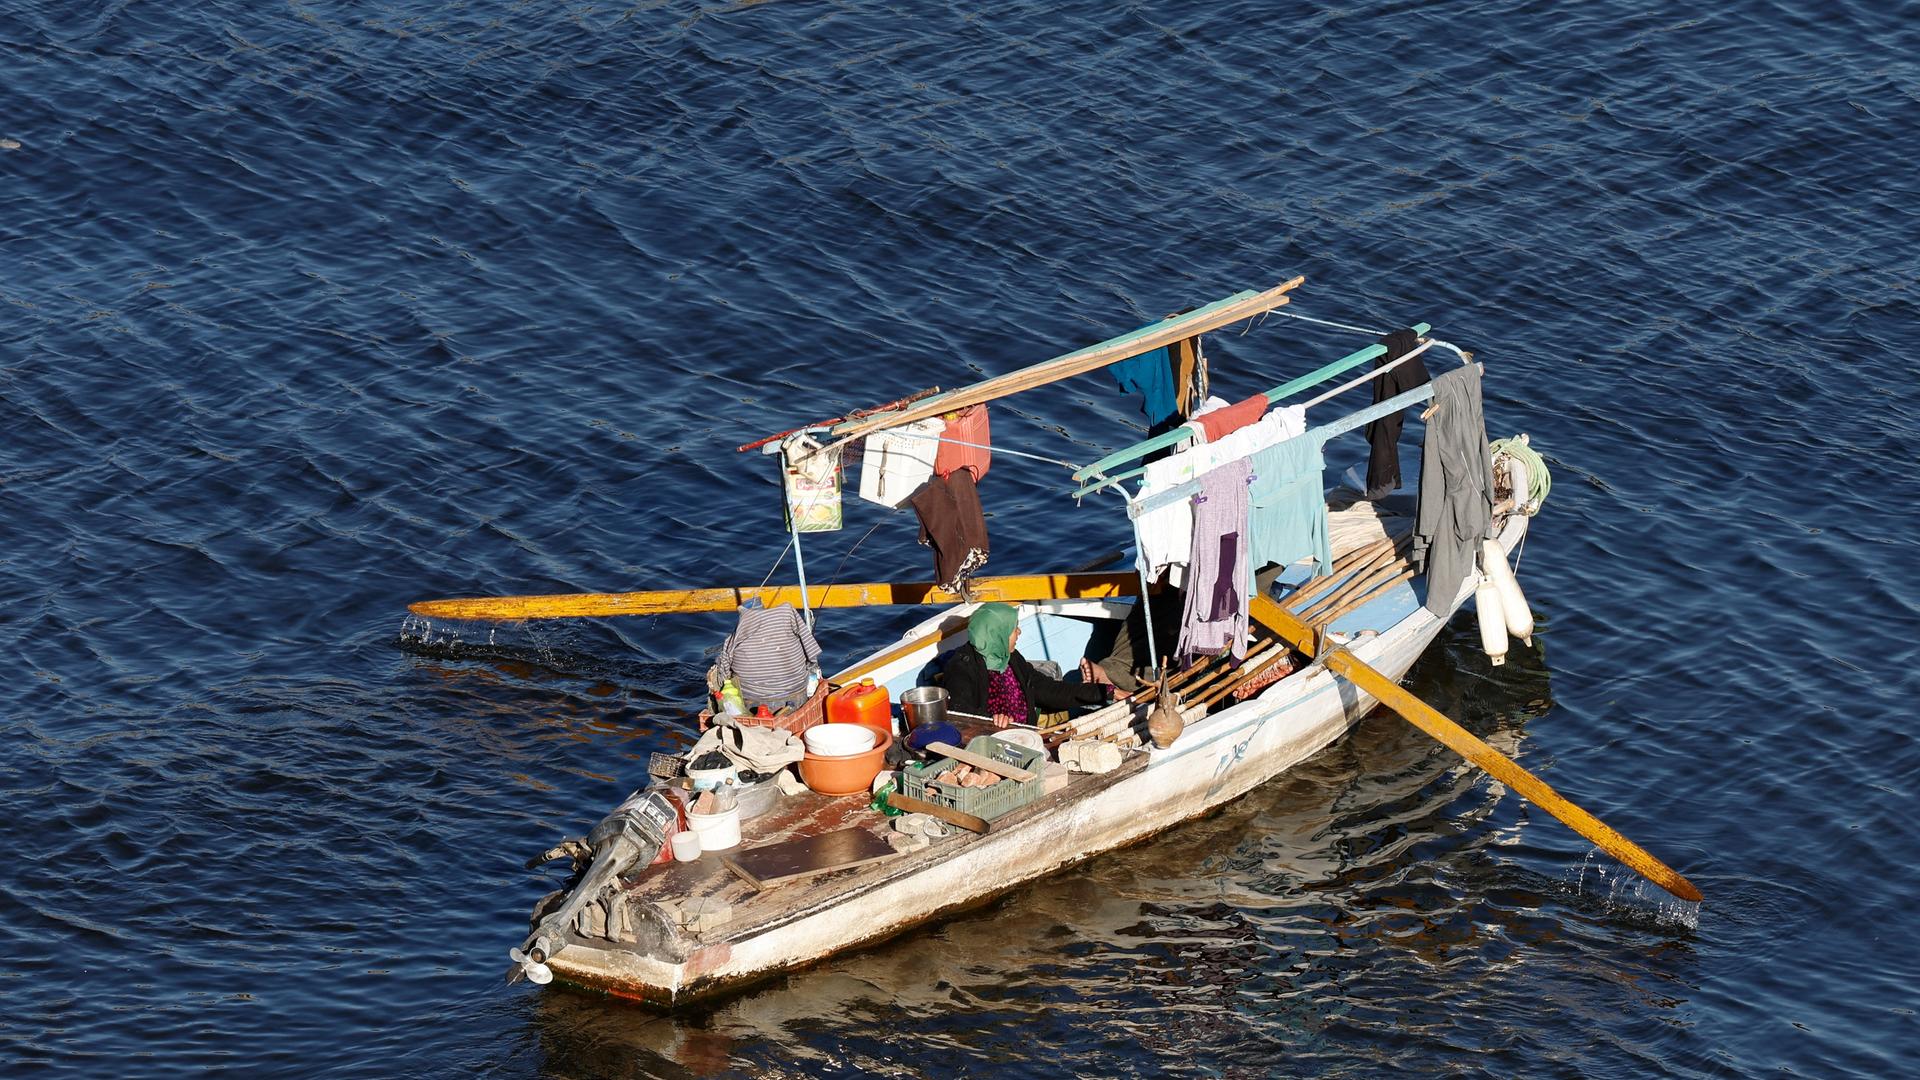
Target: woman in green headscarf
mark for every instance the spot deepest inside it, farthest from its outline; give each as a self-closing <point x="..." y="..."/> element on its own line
<point x="987" y="677"/>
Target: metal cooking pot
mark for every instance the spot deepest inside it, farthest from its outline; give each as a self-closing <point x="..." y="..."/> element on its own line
<point x="924" y="705"/>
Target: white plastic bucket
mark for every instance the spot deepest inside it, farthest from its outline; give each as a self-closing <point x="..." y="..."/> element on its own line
<point x="718" y="832"/>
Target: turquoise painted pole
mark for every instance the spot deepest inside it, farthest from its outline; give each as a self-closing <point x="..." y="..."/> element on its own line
<point x="1292" y="386"/>
<point x="800" y="565"/>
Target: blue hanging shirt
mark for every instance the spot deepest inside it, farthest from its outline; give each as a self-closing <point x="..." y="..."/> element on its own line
<point x="1151" y="375"/>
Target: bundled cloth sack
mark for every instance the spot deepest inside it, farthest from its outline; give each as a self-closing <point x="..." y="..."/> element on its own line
<point x="758" y="749"/>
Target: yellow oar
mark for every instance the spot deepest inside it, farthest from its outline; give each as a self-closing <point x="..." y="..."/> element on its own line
<point x="1467" y="745"/>
<point x="1009" y="589"/>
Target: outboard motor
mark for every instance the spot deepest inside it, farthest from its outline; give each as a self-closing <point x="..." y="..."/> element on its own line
<point x="630" y="836"/>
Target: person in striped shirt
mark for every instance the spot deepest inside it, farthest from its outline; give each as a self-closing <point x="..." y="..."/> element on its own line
<point x="770" y="656"/>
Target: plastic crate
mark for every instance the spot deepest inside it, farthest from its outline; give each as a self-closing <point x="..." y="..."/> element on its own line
<point x="986" y="803"/>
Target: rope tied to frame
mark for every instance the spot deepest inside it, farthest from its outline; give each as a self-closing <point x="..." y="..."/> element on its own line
<point x="1539" y="480"/>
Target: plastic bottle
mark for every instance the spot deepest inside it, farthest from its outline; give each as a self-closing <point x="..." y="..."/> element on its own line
<point x="731" y="702"/>
<point x="862" y="703"/>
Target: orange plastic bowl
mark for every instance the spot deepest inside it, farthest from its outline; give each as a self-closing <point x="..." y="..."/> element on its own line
<point x="844" y="774"/>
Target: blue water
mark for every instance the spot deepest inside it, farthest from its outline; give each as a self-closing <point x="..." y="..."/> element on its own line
<point x="311" y="310"/>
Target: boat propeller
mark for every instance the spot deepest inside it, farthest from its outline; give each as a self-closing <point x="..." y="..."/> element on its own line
<point x="531" y="964"/>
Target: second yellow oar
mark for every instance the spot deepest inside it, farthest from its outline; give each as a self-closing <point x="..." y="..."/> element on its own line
<point x="1008" y="589"/>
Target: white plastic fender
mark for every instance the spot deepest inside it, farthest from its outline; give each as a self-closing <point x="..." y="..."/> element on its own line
<point x="1493" y="624"/>
<point x="1513" y="602"/>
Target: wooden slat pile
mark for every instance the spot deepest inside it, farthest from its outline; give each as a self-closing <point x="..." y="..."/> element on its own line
<point x="1358" y="577"/>
<point x="1199" y="688"/>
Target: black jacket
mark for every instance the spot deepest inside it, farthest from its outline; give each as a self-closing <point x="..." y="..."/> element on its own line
<point x="1383" y="435"/>
<point x="966" y="682"/>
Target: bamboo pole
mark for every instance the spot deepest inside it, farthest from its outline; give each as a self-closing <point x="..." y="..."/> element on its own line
<point x="1360" y="585"/>
<point x="1175" y="681"/>
<point x="855" y="415"/>
<point x="1360" y="574"/>
<point x="1250" y="673"/>
<point x="1356" y="562"/>
<point x="1358" y="602"/>
<point x="1384" y="556"/>
<point x="1341" y="567"/>
<point x="1146" y="339"/>
<point x="1200" y="687"/>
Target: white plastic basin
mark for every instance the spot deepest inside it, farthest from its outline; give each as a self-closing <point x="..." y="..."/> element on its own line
<point x="832" y="740"/>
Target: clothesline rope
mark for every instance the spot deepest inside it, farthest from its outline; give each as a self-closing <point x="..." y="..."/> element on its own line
<point x="982" y="446"/>
<point x="1328" y="322"/>
<point x="777" y="560"/>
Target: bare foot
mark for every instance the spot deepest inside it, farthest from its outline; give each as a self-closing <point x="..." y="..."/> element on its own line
<point x="1091" y="672"/>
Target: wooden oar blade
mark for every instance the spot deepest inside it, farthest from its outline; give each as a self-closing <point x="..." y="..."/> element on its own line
<point x="579" y="605"/>
<point x="1507" y="771"/>
<point x="1290" y="628"/>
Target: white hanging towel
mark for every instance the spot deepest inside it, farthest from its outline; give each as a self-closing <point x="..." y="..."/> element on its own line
<point x="1165" y="534"/>
<point x="895" y="462"/>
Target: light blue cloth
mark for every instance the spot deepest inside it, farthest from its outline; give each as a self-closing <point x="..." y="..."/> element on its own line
<point x="1287" y="519"/>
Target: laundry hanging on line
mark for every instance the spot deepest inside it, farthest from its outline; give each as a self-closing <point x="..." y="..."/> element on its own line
<point x="1219" y="578"/>
<point x="1217" y="424"/>
<point x="1287" y="518"/>
<point x="1456" y="488"/>
<point x="1383" y="435"/>
<point x="1151" y="376"/>
<point x="1165" y="532"/>
<point x="954" y="526"/>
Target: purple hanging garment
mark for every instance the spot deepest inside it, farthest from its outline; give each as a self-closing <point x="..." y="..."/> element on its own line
<point x="1214" y="618"/>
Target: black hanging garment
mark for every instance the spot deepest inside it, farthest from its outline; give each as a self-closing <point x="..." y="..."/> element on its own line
<point x="1383" y="435"/>
<point x="953" y="525"/>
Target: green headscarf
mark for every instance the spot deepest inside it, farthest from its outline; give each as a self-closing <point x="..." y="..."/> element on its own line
<point x="991" y="631"/>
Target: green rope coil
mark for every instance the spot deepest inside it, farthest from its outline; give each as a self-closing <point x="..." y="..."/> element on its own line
<point x="1539" y="480"/>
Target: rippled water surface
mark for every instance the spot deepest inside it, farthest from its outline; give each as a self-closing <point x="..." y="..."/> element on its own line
<point x="308" y="310"/>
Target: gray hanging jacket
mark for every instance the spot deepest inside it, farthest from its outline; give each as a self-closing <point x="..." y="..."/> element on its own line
<point x="1456" y="488"/>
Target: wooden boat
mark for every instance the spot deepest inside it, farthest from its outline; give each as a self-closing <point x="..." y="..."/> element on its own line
<point x="1219" y="757"/>
<point x="1366" y="621"/>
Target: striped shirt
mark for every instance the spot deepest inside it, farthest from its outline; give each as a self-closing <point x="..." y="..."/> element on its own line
<point x="769" y="654"/>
